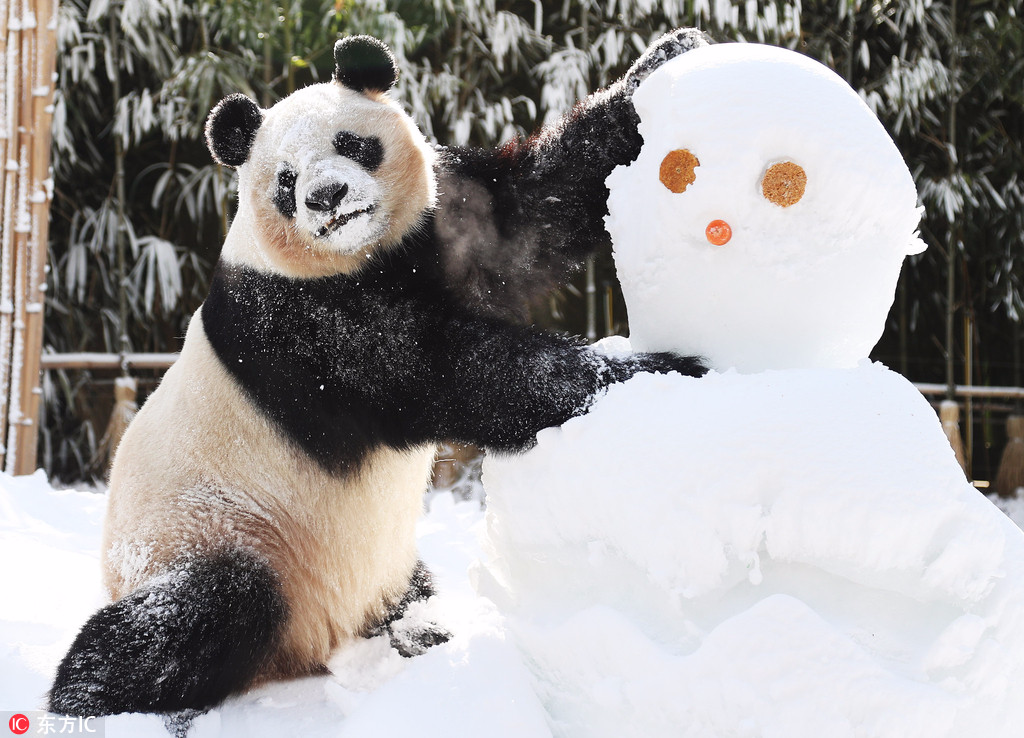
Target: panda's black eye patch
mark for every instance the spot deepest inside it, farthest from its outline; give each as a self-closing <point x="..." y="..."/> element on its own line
<point x="284" y="191"/>
<point x="366" y="151"/>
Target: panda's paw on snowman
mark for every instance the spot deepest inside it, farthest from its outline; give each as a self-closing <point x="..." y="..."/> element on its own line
<point x="622" y="368"/>
<point x="672" y="44"/>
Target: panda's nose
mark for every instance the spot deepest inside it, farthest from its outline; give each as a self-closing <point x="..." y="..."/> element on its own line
<point x="326" y="197"/>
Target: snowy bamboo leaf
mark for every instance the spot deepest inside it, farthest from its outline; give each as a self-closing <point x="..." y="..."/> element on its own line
<point x="97" y="10"/>
<point x="157" y="271"/>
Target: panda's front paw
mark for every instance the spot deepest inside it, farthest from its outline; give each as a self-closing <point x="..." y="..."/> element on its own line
<point x="669" y="46"/>
<point x="664" y="362"/>
<point x="661" y="362"/>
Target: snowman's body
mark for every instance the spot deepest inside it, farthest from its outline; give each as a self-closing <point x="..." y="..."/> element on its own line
<point x="786" y="546"/>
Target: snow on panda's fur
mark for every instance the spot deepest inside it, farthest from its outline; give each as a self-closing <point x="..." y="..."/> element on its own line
<point x="263" y="502"/>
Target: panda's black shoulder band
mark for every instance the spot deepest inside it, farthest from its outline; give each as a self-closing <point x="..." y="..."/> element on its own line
<point x="363" y="63"/>
<point x="231" y="129"/>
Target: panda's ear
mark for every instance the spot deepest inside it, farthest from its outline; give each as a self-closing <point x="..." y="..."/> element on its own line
<point x="231" y="129"/>
<point x="363" y="63"/>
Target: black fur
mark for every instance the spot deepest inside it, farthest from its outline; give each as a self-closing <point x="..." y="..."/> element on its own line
<point x="284" y="191"/>
<point x="518" y="220"/>
<point x="231" y="129"/>
<point x="669" y="46"/>
<point x="366" y="151"/>
<point x="346" y="364"/>
<point x="364" y="63"/>
<point x="185" y="641"/>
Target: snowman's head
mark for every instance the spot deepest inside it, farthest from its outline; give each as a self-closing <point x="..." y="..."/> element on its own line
<point x="765" y="221"/>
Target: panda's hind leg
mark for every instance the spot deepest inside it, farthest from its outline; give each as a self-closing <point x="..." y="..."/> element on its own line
<point x="185" y="641"/>
<point x="411" y="636"/>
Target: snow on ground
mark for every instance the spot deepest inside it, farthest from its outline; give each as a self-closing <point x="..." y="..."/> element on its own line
<point x="476" y="685"/>
<point x="1012" y="506"/>
<point x="777" y="646"/>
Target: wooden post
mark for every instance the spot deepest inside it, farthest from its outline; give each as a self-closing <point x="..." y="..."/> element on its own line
<point x="31" y="58"/>
<point x="949" y="415"/>
<point x="1010" y="476"/>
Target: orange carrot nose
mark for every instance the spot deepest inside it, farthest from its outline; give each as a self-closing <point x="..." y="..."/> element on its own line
<point x="718" y="232"/>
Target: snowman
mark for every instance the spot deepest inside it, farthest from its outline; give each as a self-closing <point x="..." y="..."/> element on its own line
<point x="786" y="546"/>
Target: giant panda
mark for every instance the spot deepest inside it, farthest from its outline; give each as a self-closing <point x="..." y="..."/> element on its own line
<point x="262" y="503"/>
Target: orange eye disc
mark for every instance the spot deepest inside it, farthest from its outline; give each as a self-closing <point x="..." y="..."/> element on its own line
<point x="677" y="170"/>
<point x="784" y="183"/>
<point x="718" y="232"/>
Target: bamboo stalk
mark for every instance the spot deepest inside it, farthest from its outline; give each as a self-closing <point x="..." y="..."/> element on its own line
<point x="119" y="194"/>
<point x="953" y="233"/>
<point x="20" y="241"/>
<point x="8" y="184"/>
<point x="6" y="81"/>
<point x="5" y="126"/>
<point x="968" y="437"/>
<point x="40" y="194"/>
<point x="22" y="230"/>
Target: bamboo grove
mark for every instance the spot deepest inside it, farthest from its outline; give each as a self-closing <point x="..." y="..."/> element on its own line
<point x="139" y="209"/>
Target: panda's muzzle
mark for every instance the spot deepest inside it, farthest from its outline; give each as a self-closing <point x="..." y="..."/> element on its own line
<point x="329" y="198"/>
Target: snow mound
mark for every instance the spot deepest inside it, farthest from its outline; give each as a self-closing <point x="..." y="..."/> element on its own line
<point x="799" y="283"/>
<point x="791" y="553"/>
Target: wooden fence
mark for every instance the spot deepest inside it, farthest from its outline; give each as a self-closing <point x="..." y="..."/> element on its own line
<point x="28" y="48"/>
<point x="1000" y="400"/>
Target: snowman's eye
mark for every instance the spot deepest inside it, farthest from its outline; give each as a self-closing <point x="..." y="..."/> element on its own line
<point x="784" y="183"/>
<point x="677" y="170"/>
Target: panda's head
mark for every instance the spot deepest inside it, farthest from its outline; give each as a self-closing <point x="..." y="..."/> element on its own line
<point x="329" y="175"/>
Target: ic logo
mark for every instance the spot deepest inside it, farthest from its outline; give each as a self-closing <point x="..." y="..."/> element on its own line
<point x="18" y="724"/>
